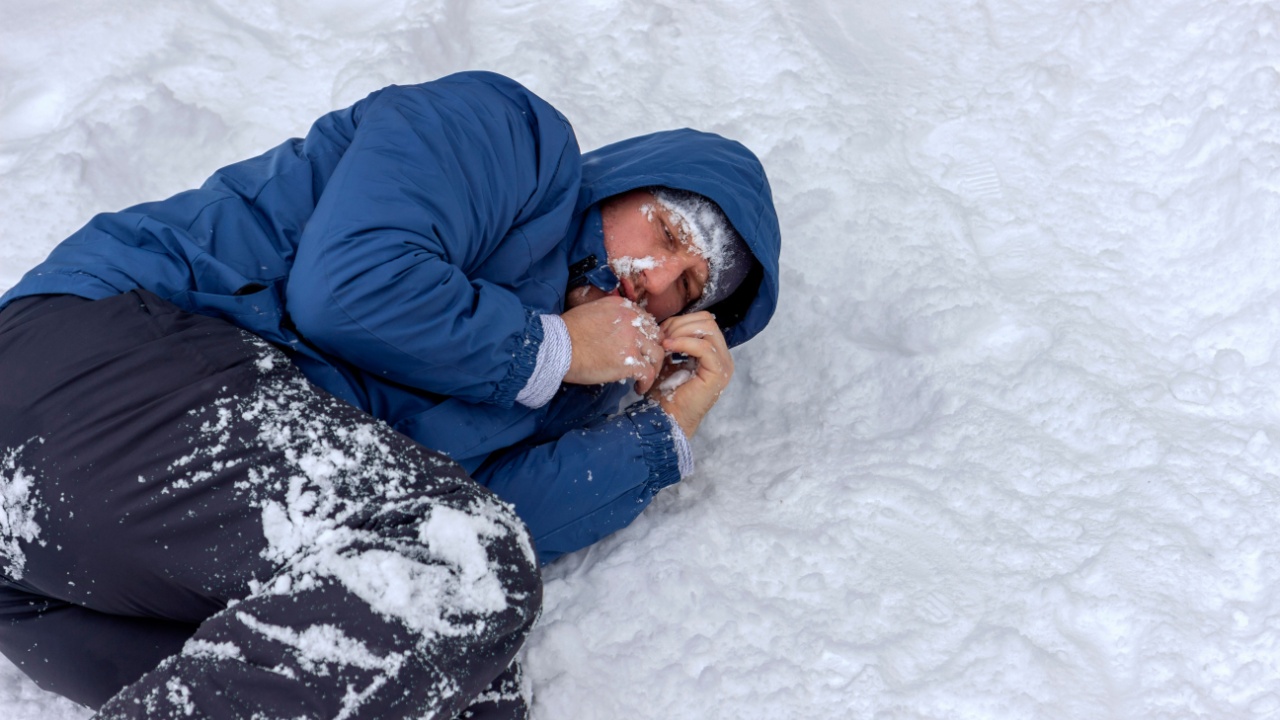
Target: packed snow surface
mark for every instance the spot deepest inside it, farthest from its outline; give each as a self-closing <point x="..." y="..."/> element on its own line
<point x="1011" y="446"/>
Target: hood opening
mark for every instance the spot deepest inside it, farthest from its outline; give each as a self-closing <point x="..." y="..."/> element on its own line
<point x="730" y="311"/>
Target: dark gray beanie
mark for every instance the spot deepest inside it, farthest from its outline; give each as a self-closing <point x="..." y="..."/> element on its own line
<point x="728" y="257"/>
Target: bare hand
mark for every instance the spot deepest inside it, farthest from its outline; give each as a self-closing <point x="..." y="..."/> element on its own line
<point x="613" y="339"/>
<point x="697" y="336"/>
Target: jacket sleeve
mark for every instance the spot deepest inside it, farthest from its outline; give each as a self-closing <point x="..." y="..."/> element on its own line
<point x="438" y="180"/>
<point x="590" y="482"/>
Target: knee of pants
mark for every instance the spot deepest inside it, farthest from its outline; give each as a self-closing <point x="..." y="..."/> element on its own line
<point x="466" y="525"/>
<point x="509" y="548"/>
<point x="525" y="583"/>
<point x="455" y="541"/>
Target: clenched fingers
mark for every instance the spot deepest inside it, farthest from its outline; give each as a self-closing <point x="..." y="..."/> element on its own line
<point x="715" y="365"/>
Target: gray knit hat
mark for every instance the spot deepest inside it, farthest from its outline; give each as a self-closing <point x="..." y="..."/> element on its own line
<point x="728" y="257"/>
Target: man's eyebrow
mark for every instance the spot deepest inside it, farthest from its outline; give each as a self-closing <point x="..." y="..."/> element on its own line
<point x="678" y="230"/>
<point x="672" y="229"/>
<point x="665" y="218"/>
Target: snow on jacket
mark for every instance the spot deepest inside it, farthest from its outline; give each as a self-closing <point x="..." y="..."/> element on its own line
<point x="404" y="250"/>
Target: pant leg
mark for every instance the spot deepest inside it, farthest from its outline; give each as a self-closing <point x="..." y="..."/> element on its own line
<point x="505" y="699"/>
<point x="81" y="654"/>
<point x="189" y="473"/>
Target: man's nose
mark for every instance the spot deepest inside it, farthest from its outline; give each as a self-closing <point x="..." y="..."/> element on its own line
<point x="664" y="272"/>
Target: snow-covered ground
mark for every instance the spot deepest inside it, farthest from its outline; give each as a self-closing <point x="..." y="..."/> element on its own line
<point x="1011" y="447"/>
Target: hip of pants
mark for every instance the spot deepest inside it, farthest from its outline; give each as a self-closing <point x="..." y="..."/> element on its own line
<point x="190" y="525"/>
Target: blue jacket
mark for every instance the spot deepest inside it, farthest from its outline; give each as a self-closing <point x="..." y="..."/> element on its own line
<point x="402" y="253"/>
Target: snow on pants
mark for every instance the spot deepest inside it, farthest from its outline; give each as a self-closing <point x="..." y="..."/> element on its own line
<point x="189" y="528"/>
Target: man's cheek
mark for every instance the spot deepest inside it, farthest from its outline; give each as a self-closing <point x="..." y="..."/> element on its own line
<point x="663" y="308"/>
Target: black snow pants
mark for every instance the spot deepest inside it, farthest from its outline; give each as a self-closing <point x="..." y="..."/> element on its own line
<point x="189" y="528"/>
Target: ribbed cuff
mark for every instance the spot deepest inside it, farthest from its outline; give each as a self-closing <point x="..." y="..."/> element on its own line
<point x="554" y="355"/>
<point x="523" y="363"/>
<point x="657" y="443"/>
<point x="684" y="451"/>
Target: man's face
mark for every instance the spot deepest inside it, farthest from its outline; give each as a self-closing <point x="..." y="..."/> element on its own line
<point x="657" y="265"/>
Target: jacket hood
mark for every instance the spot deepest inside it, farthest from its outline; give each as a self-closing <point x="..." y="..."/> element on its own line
<point x="718" y="168"/>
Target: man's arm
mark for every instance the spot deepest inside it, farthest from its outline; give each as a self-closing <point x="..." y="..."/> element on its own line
<point x="594" y="481"/>
<point x="588" y="483"/>
<point x="439" y="179"/>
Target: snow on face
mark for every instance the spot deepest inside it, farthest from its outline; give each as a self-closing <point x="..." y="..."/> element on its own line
<point x="701" y="227"/>
<point x="687" y="233"/>
<point x="657" y="266"/>
<point x="630" y="267"/>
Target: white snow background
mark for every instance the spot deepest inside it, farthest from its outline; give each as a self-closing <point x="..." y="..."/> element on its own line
<point x="1008" y="449"/>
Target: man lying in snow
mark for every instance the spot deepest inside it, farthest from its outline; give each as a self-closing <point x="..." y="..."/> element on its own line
<point x="200" y="519"/>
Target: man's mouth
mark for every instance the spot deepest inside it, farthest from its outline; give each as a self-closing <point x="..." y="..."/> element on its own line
<point x="627" y="289"/>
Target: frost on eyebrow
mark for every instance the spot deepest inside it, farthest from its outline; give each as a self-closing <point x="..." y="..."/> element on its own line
<point x="18" y="508"/>
<point x="685" y="231"/>
<point x="688" y="232"/>
<point x="708" y="231"/>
